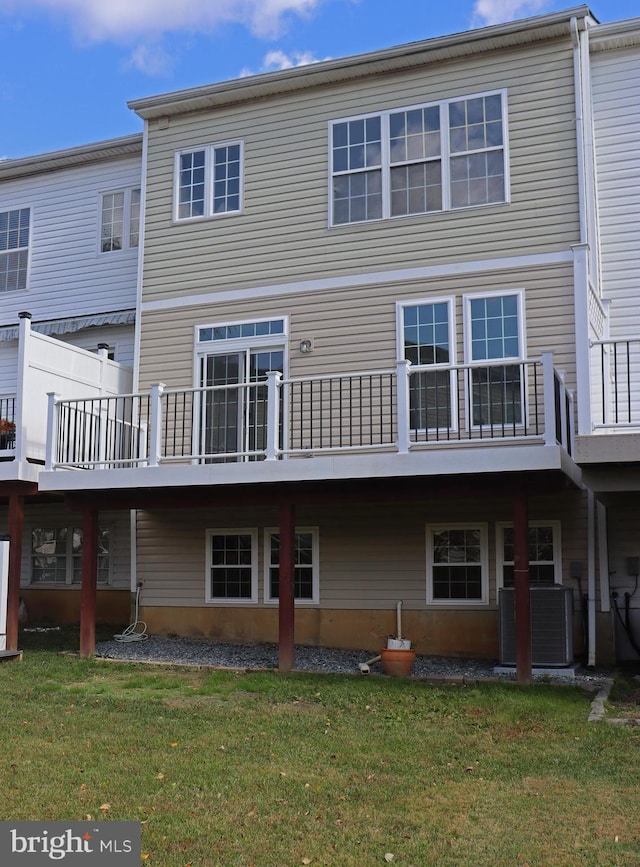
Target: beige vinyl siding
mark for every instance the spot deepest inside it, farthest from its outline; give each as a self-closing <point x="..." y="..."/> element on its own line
<point x="283" y="234"/>
<point x="370" y="556"/>
<point x="355" y="329"/>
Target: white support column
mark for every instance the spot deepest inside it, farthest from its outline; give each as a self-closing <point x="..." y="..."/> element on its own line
<point x="23" y="385"/>
<point x="274" y="383"/>
<point x="581" y="311"/>
<point x="52" y="430"/>
<point x="155" y="435"/>
<point x="402" y="388"/>
<point x="548" y="390"/>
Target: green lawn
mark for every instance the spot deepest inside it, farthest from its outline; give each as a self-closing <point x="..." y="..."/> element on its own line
<point x="264" y="769"/>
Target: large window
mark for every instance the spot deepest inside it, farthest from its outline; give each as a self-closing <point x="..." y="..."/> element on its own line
<point x="14" y="249"/>
<point x="208" y="181"/>
<point x="306" y="570"/>
<point x="545" y="553"/>
<point x="120" y="220"/>
<point x="494" y="331"/>
<point x="232" y="566"/>
<point x="433" y="157"/>
<point x="457" y="568"/>
<point x="56" y="555"/>
<point x="427" y="340"/>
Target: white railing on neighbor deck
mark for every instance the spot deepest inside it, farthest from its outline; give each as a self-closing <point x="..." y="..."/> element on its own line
<point x="401" y="409"/>
<point x="615" y="374"/>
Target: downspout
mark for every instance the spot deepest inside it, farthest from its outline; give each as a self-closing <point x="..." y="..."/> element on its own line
<point x="580" y="150"/>
<point x="581" y="290"/>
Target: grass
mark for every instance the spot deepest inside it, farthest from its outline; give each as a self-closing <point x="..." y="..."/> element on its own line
<point x="225" y="768"/>
<point x="624" y="698"/>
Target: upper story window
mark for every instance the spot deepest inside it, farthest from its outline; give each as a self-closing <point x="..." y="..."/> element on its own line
<point x="120" y="220"/>
<point x="14" y="249"/>
<point x="434" y="157"/>
<point x="208" y="181"/>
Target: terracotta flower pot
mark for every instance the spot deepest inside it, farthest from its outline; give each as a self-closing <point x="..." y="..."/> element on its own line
<point x="397" y="663"/>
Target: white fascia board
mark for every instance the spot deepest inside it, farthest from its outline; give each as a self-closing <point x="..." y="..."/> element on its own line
<point x="456" y="460"/>
<point x="439" y="49"/>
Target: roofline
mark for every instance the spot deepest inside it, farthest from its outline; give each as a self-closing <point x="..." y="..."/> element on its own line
<point x="441" y="48"/>
<point x="70" y="157"/>
<point x="615" y="34"/>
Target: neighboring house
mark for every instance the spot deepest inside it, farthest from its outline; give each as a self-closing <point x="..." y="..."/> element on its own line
<point x="69" y="242"/>
<point x="608" y="445"/>
<point x="357" y="354"/>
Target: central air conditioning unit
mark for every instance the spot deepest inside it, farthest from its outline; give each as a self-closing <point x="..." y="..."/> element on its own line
<point x="551" y="626"/>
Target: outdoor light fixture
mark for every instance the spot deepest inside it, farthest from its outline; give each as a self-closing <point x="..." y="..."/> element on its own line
<point x="306" y="346"/>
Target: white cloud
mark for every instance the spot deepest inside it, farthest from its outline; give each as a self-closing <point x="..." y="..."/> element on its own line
<point x="99" y="20"/>
<point x="151" y="59"/>
<point x="498" y="11"/>
<point x="274" y="60"/>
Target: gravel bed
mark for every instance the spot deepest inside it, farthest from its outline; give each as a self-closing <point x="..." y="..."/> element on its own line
<point x="193" y="651"/>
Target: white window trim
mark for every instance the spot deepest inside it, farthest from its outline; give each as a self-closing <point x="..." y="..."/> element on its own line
<point x="232" y="531"/>
<point x="208" y="181"/>
<point x="450" y="301"/>
<point x="24" y="207"/>
<point x="484" y="565"/>
<point x="315" y="542"/>
<point x="126" y="221"/>
<point x="207" y="347"/>
<point x="445" y="157"/>
<point x="557" y="549"/>
<point x="522" y="343"/>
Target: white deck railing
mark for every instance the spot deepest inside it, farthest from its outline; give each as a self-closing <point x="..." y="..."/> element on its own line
<point x="615" y="376"/>
<point x="400" y="409"/>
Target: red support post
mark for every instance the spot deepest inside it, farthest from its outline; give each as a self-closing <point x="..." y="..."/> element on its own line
<point x="88" y="592"/>
<point x="521" y="583"/>
<point x="286" y="603"/>
<point x="16" y="524"/>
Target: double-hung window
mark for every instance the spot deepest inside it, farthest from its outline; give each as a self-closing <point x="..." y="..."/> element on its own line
<point x="306" y="569"/>
<point x="120" y="220"/>
<point x="208" y="181"/>
<point x="457" y="564"/>
<point x="427" y="341"/>
<point x="544" y="550"/>
<point x="56" y="555"/>
<point x="232" y="565"/>
<point x="14" y="249"/>
<point x="494" y="332"/>
<point x="431" y="157"/>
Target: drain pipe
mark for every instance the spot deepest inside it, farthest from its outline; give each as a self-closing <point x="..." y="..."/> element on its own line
<point x="399" y="619"/>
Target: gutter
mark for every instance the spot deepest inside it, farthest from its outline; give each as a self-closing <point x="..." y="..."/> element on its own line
<point x="438" y="49"/>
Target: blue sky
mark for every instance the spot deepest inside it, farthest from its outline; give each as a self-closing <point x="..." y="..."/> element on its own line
<point x="69" y="66"/>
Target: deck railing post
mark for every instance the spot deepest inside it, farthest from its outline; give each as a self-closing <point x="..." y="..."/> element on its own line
<point x="155" y="436"/>
<point x="402" y="409"/>
<point x="52" y="430"/>
<point x="564" y="433"/>
<point x="548" y="389"/>
<point x="274" y="383"/>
